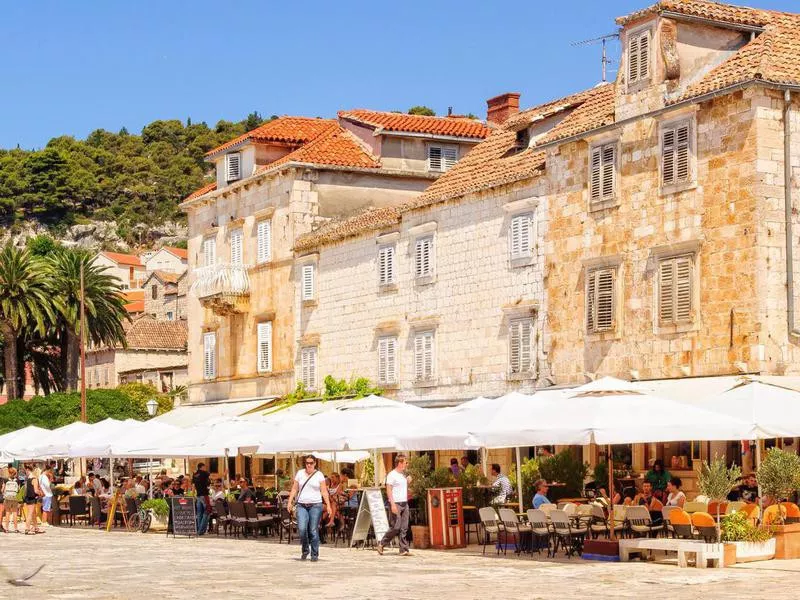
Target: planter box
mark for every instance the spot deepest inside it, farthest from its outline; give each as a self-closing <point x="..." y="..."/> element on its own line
<point x="787" y="540"/>
<point x="158" y="524"/>
<point x="421" y="536"/>
<point x="729" y="554"/>
<point x="753" y="551"/>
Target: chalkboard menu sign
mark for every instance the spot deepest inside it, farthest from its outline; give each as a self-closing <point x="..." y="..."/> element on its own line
<point x="183" y="516"/>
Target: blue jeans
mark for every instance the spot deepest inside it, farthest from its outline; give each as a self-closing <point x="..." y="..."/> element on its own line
<point x="308" y="517"/>
<point x="202" y="515"/>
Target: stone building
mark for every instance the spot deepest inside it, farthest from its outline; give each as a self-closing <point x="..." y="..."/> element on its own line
<point x="154" y="353"/>
<point x="654" y="220"/>
<point x="165" y="295"/>
<point x="274" y="184"/>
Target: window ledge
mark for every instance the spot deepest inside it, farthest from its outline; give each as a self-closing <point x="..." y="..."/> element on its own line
<point x="425" y="280"/>
<point x="385" y="288"/>
<point x="260" y="266"/>
<point x="677" y="328"/>
<point x="676" y="188"/>
<point x="312" y="303"/>
<point x="603" y="336"/>
<point x="599" y="205"/>
<point x="525" y="376"/>
<point x="522" y="261"/>
<point x="389" y="386"/>
<point x="425" y="383"/>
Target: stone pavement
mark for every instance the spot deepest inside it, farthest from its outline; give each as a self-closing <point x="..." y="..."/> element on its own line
<point x="86" y="564"/>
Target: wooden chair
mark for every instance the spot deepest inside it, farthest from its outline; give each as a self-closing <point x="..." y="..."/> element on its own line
<point x="492" y="526"/>
<point x="681" y="523"/>
<point x="78" y="509"/>
<point x="239" y="523"/>
<point x="219" y="516"/>
<point x="705" y="526"/>
<point x="287" y="525"/>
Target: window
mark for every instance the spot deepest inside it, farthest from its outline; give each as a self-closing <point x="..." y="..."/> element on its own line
<point x="639" y="57"/>
<point x="154" y="292"/>
<point x="209" y="355"/>
<point x="602" y="184"/>
<point x="387" y="360"/>
<point x="307" y="283"/>
<point x="233" y="170"/>
<point x="170" y="315"/>
<point x="209" y="252"/>
<point x="386" y="265"/>
<point x="264" y="347"/>
<point x="675" y="290"/>
<point x="520" y="347"/>
<point x="519" y="236"/>
<point x="423" y="356"/>
<point x="441" y="158"/>
<point x="675" y="154"/>
<point x="600" y="300"/>
<point x="423" y="256"/>
<point x="308" y="367"/>
<point x="105" y="376"/>
<point x="236" y="247"/>
<point x="263" y="241"/>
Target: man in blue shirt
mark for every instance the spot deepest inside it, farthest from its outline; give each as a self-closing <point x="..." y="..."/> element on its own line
<point x="540" y="497"/>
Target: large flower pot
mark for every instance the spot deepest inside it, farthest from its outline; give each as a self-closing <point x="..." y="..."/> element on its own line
<point x="421" y="536"/>
<point x="787" y="540"/>
<point x="729" y="554"/>
<point x="158" y="523"/>
<point x="753" y="551"/>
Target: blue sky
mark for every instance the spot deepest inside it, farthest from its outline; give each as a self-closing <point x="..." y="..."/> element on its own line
<point x="72" y="67"/>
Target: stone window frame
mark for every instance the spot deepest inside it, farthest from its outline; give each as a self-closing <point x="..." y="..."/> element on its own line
<point x="525" y="309"/>
<point x="689" y="117"/>
<point x="657" y="255"/>
<point x="635" y="32"/>
<point x="519" y="208"/>
<point x="601" y="142"/>
<point x="613" y="263"/>
<point x="269" y="349"/>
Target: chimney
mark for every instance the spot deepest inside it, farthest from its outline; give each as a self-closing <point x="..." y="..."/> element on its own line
<point x="499" y="108"/>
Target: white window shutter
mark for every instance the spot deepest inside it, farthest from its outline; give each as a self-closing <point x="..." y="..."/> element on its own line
<point x="423" y="256"/>
<point x="263" y="241"/>
<point x="233" y="167"/>
<point x="423" y="356"/>
<point x="209" y="355"/>
<point x="520" y="233"/>
<point x="308" y="282"/>
<point x="308" y="365"/>
<point x="386" y="265"/>
<point x="236" y="247"/>
<point x="387" y="360"/>
<point x="521" y="345"/>
<point x="449" y="157"/>
<point x="434" y="158"/>
<point x="209" y="252"/>
<point x="264" y="331"/>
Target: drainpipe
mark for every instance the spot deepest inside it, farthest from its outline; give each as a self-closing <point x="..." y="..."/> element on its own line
<point x="787" y="192"/>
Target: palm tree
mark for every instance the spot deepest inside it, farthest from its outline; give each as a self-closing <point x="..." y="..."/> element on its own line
<point x="25" y="302"/>
<point x="105" y="306"/>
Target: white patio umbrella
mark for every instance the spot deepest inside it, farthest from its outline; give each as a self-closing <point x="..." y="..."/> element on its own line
<point x="98" y="439"/>
<point x="17" y="440"/>
<point x="55" y="442"/>
<point x="123" y="443"/>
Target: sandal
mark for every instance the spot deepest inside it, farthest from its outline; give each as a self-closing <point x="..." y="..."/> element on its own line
<point x="30" y="533"/>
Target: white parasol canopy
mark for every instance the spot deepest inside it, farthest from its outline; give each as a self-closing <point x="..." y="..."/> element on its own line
<point x="14" y="441"/>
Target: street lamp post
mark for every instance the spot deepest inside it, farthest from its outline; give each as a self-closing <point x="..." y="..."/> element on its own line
<point x="152" y="407"/>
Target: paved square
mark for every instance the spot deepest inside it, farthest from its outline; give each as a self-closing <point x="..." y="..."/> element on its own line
<point x="87" y="564"/>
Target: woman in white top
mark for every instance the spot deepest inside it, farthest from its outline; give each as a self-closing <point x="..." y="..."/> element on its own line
<point x="310" y="491"/>
<point x="675" y="496"/>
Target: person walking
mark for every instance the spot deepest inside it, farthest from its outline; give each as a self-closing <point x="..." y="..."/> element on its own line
<point x="201" y="481"/>
<point x="45" y="480"/>
<point x="32" y="494"/>
<point x="310" y="491"/>
<point x="10" y="502"/>
<point x="397" y="492"/>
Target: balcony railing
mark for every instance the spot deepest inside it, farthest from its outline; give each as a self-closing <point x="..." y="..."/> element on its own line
<point x="221" y="280"/>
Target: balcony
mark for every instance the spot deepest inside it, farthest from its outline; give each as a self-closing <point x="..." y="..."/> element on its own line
<point x="223" y="288"/>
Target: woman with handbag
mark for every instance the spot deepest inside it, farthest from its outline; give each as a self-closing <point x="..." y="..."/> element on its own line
<point x="309" y="491"/>
<point x="32" y="494"/>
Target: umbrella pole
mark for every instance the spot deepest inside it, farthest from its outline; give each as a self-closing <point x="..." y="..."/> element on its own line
<point x="484" y="460"/>
<point x="227" y="470"/>
<point x="519" y="482"/>
<point x="758" y="466"/>
<point x="150" y="487"/>
<point x="335" y="463"/>
<point x="375" y="467"/>
<point x="610" y="462"/>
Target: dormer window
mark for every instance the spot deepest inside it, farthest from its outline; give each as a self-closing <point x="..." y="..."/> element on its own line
<point x="639" y="56"/>
<point x="233" y="166"/>
<point x="523" y="140"/>
<point x="441" y="158"/>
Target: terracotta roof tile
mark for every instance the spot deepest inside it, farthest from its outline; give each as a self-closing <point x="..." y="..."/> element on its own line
<point x="133" y="295"/>
<point x="147" y="333"/>
<point x="200" y="192"/>
<point x="289" y="130"/>
<point x="389" y="121"/>
<point x="368" y="220"/>
<point x="181" y="253"/>
<point x="123" y="259"/>
<point x="165" y="276"/>
<point x="706" y="9"/>
<point x="135" y="307"/>
<point x="335" y="147"/>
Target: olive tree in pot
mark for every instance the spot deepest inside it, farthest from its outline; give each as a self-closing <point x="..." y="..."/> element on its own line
<point x="778" y="477"/>
<point x="716" y="481"/>
<point x="424" y="477"/>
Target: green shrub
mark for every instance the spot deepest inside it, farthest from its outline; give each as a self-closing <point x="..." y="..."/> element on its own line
<point x="565" y="468"/>
<point x="530" y="473"/>
<point x="158" y="505"/>
<point x="779" y="474"/>
<point x="737" y="527"/>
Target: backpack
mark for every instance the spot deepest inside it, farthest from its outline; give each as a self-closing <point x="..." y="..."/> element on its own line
<point x="11" y="490"/>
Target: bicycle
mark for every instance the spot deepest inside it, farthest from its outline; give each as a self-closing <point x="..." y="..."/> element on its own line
<point x="140" y="520"/>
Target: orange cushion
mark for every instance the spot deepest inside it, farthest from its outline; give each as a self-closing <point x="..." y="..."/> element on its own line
<point x="792" y="510"/>
<point x="702" y="519"/>
<point x="679" y="517"/>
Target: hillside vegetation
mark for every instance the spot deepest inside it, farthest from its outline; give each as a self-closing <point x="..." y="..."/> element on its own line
<point x="126" y="178"/>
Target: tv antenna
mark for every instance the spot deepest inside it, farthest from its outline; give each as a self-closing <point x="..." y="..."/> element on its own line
<point x="605" y="61"/>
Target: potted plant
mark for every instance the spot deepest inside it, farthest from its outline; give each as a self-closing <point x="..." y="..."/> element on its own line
<point x="752" y="543"/>
<point x="159" y="509"/>
<point x="716" y="481"/>
<point x="529" y="469"/>
<point x="424" y="477"/>
<point x="473" y="483"/>
<point x="778" y="477"/>
<point x="567" y="469"/>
